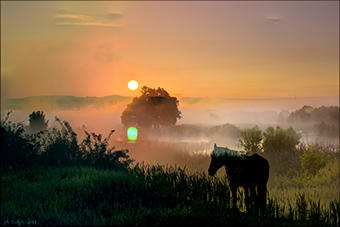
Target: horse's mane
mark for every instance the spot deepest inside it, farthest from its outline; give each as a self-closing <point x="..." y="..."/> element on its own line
<point x="226" y="152"/>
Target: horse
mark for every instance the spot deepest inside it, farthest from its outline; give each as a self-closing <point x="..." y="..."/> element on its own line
<point x="249" y="172"/>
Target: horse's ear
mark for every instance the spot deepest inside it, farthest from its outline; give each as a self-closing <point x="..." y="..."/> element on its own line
<point x="214" y="145"/>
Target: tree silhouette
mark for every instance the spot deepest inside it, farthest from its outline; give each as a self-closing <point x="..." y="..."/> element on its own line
<point x="280" y="140"/>
<point x="37" y="122"/>
<point x="154" y="108"/>
<point x="251" y="140"/>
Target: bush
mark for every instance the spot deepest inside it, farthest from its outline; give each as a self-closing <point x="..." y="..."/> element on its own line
<point x="62" y="148"/>
<point x="327" y="130"/>
<point x="280" y="148"/>
<point x="97" y="153"/>
<point x="57" y="147"/>
<point x="312" y="160"/>
<point x="251" y="139"/>
<point x="61" y="145"/>
<point x="279" y="140"/>
<point x="37" y="122"/>
<point x="15" y="147"/>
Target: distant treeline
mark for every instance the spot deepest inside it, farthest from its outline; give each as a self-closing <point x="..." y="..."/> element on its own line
<point x="63" y="102"/>
<point x="323" y="121"/>
<point x="327" y="114"/>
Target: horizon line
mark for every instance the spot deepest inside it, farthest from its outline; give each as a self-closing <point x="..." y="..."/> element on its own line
<point x="185" y="97"/>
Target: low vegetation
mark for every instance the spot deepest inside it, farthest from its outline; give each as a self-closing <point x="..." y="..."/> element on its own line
<point x="50" y="178"/>
<point x="141" y="196"/>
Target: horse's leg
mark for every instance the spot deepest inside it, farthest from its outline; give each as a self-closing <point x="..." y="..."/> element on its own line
<point x="253" y="196"/>
<point x="262" y="190"/>
<point x="246" y="197"/>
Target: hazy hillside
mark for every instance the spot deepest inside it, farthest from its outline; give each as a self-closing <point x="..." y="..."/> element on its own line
<point x="63" y="102"/>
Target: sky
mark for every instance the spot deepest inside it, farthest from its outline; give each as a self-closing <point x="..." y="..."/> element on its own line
<point x="236" y="50"/>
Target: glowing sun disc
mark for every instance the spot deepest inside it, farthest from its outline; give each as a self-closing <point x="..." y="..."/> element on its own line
<point x="133" y="85"/>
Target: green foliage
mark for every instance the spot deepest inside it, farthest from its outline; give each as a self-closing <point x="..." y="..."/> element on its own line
<point x="308" y="114"/>
<point x="280" y="140"/>
<point x="312" y="160"/>
<point x="327" y="130"/>
<point x="16" y="149"/>
<point x="251" y="139"/>
<point x="57" y="146"/>
<point x="142" y="196"/>
<point x="96" y="152"/>
<point x="280" y="148"/>
<point x="154" y="108"/>
<point x="37" y="122"/>
<point x="61" y="145"/>
<point x="62" y="148"/>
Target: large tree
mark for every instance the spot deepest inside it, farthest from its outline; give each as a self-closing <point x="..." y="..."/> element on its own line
<point x="154" y="108"/>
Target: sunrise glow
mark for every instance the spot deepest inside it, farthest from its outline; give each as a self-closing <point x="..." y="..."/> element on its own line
<point x="182" y="112"/>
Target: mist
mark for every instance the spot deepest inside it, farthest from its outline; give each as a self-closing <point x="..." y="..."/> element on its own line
<point x="204" y="121"/>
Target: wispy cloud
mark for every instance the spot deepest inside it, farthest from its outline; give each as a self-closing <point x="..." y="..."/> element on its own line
<point x="72" y="17"/>
<point x="92" y="24"/>
<point x="113" y="16"/>
<point x="68" y="18"/>
<point x="273" y="19"/>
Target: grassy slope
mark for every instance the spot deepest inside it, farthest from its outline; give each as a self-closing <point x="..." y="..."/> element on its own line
<point x="142" y="197"/>
<point x="284" y="187"/>
<point x="323" y="187"/>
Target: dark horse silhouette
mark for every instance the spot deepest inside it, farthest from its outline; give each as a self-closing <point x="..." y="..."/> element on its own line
<point x="249" y="172"/>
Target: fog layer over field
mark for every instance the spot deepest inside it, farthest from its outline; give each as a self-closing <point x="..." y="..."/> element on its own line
<point x="204" y="120"/>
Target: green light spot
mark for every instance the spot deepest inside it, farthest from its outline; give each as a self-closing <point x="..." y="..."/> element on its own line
<point x="132" y="133"/>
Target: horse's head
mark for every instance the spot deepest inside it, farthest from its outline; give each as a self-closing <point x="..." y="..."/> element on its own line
<point x="216" y="161"/>
<point x="221" y="156"/>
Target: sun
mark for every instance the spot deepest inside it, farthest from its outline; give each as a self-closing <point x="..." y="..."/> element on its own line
<point x="132" y="85"/>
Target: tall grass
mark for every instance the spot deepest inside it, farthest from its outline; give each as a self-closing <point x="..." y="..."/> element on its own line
<point x="55" y="180"/>
<point x="287" y="179"/>
<point x="143" y="196"/>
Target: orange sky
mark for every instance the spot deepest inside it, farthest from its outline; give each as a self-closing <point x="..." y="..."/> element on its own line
<point x="198" y="49"/>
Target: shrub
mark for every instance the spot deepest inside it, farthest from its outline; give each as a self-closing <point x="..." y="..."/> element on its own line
<point x="327" y="130"/>
<point x="61" y="145"/>
<point x="312" y="160"/>
<point x="280" y="148"/>
<point x="279" y="139"/>
<point x="62" y="148"/>
<point x="37" y="122"/>
<point x="96" y="152"/>
<point x="15" y="147"/>
<point x="251" y="139"/>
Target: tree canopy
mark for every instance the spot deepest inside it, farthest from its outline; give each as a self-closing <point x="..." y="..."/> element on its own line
<point x="251" y="139"/>
<point x="280" y="140"/>
<point x="329" y="115"/>
<point x="154" y="108"/>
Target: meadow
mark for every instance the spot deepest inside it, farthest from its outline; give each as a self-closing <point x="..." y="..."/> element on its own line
<point x="142" y="196"/>
<point x="152" y="183"/>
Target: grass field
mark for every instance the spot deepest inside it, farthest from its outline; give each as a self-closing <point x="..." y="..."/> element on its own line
<point x="195" y="158"/>
<point x="65" y="182"/>
<point x="142" y="196"/>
